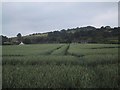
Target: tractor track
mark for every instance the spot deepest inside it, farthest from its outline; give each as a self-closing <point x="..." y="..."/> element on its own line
<point x="49" y="53"/>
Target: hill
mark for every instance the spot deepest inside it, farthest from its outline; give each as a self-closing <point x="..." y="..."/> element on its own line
<point x="87" y="34"/>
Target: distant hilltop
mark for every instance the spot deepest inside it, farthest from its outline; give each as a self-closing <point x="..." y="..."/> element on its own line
<point x="87" y="34"/>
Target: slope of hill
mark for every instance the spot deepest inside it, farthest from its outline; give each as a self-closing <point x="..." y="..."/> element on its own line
<point x="87" y="34"/>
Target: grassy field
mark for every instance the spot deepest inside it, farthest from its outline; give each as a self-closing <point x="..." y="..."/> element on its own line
<point x="60" y="66"/>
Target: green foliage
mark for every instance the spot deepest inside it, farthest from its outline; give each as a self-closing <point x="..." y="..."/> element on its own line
<point x="60" y="66"/>
<point x="27" y="41"/>
<point x="4" y="40"/>
<point x="89" y="34"/>
<point x="19" y="37"/>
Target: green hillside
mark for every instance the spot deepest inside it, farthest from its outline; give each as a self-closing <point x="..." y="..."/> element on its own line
<point x="87" y="34"/>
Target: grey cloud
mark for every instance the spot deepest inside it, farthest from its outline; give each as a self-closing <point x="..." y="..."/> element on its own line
<point x="42" y="17"/>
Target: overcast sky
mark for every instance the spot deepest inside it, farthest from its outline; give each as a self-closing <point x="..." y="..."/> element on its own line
<point x="39" y="17"/>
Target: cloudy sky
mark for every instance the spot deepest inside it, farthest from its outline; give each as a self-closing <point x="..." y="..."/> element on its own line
<point x="34" y="17"/>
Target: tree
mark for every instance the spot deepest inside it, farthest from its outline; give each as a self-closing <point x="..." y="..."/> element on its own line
<point x="19" y="37"/>
<point x="107" y="27"/>
<point x="3" y="39"/>
<point x="27" y="41"/>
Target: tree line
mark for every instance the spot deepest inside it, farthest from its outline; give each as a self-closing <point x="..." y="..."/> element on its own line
<point x="87" y="34"/>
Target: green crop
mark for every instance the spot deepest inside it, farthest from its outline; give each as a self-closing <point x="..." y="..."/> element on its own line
<point x="60" y="66"/>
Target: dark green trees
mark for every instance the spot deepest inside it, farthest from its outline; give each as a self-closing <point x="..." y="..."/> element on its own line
<point x="3" y="40"/>
<point x="88" y="34"/>
<point x="27" y="41"/>
<point x="19" y="37"/>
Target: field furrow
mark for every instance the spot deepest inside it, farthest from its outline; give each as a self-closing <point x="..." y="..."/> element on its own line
<point x="61" y="51"/>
